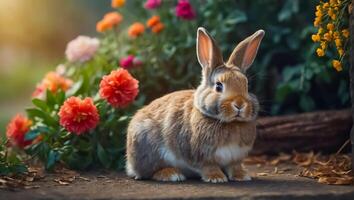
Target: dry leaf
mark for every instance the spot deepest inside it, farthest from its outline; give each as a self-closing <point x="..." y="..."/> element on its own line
<point x="83" y="178"/>
<point x="61" y="182"/>
<point x="304" y="159"/>
<point x="262" y="174"/>
<point x="336" y="180"/>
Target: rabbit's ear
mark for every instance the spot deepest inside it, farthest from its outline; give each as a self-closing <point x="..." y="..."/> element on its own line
<point x="245" y="52"/>
<point x="208" y="53"/>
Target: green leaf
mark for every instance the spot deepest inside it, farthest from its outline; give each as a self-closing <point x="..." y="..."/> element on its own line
<point x="84" y="146"/>
<point x="40" y="104"/>
<point x="103" y="156"/>
<point x="237" y="16"/>
<point x="51" y="102"/>
<point x="32" y="135"/>
<point x="76" y="160"/>
<point x="306" y="103"/>
<point x="291" y="71"/>
<point x="290" y="7"/>
<point x="75" y="88"/>
<point x="47" y="119"/>
<point x="60" y="97"/>
<point x="52" y="158"/>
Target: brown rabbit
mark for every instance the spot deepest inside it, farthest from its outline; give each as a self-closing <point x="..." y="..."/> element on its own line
<point x="204" y="132"/>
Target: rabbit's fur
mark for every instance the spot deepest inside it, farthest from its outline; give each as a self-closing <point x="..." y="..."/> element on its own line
<point x="204" y="132"/>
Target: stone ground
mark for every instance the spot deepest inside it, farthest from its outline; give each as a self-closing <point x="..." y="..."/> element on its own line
<point x="267" y="183"/>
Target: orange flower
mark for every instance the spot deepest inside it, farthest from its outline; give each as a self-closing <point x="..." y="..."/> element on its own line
<point x="113" y="18"/>
<point x="136" y="29"/>
<point x="103" y="26"/>
<point x="153" y="21"/>
<point x="17" y="129"/>
<point x="109" y="21"/>
<point x="52" y="82"/>
<point x="117" y="3"/>
<point x="158" y="28"/>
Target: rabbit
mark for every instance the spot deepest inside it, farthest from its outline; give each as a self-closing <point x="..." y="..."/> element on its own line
<point x="202" y="133"/>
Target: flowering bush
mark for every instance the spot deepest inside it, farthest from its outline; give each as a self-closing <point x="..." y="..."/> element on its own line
<point x="332" y="23"/>
<point x="146" y="49"/>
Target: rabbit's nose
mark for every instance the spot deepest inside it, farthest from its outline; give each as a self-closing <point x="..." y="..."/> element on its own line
<point x="237" y="107"/>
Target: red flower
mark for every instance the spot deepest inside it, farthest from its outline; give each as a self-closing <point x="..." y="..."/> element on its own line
<point x="119" y="88"/>
<point x="184" y="10"/>
<point x="17" y="129"/>
<point x="78" y="116"/>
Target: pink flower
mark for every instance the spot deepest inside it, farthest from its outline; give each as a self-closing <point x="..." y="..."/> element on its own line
<point x="152" y="4"/>
<point x="127" y="62"/>
<point x="81" y="49"/>
<point x="185" y="10"/>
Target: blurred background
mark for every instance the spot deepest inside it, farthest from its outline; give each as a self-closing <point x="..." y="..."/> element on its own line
<point x="32" y="41"/>
<point x="287" y="76"/>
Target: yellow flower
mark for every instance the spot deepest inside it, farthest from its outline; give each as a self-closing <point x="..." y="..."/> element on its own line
<point x="318" y="13"/>
<point x="333" y="2"/>
<point x="117" y="3"/>
<point x="338" y="42"/>
<point x="340" y="52"/>
<point x="317" y="22"/>
<point x="337" y="65"/>
<point x="320" y="52"/>
<point x="334" y="16"/>
<point x="320" y="30"/>
<point x="316" y="38"/>
<point x="345" y="33"/>
<point x="323" y="45"/>
<point x="330" y="26"/>
<point x="327" y="36"/>
<point x="336" y="34"/>
<point x="325" y="5"/>
<point x="331" y="14"/>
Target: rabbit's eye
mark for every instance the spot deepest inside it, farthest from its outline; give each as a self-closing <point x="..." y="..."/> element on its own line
<point x="219" y="87"/>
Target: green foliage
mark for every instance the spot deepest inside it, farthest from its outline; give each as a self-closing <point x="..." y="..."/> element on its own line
<point x="10" y="162"/>
<point x="286" y="76"/>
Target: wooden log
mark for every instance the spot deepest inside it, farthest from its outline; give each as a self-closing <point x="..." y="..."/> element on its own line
<point x="324" y="131"/>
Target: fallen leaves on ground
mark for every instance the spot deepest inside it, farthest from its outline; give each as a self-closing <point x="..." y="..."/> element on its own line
<point x="60" y="176"/>
<point x="65" y="176"/>
<point x="332" y="169"/>
<point x="22" y="181"/>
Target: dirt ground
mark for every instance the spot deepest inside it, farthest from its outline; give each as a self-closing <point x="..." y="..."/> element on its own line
<point x="269" y="182"/>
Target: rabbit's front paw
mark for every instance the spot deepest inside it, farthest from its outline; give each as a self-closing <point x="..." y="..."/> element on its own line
<point x="244" y="177"/>
<point x="238" y="173"/>
<point x="169" y="174"/>
<point x="214" y="175"/>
